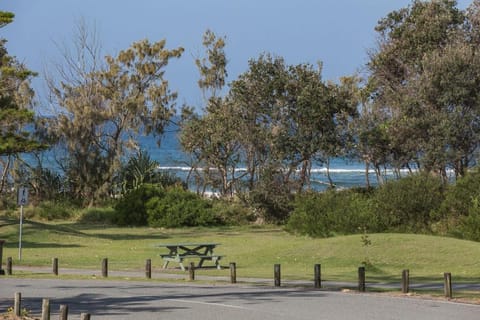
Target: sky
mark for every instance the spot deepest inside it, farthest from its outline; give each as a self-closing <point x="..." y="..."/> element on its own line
<point x="338" y="33"/>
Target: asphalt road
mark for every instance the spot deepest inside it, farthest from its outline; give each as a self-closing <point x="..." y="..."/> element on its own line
<point x="159" y="300"/>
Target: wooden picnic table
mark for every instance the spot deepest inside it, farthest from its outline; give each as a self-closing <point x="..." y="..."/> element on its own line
<point x="178" y="252"/>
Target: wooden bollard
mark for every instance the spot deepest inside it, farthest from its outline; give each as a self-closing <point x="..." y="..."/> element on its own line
<point x="405" y="281"/>
<point x="361" y="279"/>
<point x="63" y="312"/>
<point x="318" y="275"/>
<point x="233" y="272"/>
<point x="2" y="272"/>
<point x="277" y="275"/>
<point x="191" y="271"/>
<point x="105" y="267"/>
<point x="148" y="268"/>
<point x="9" y="266"/>
<point x="45" y="309"/>
<point x="17" y="306"/>
<point x="55" y="266"/>
<point x="448" y="284"/>
<point x="84" y="316"/>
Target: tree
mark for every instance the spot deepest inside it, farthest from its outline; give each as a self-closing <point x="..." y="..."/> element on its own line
<point x="401" y="71"/>
<point x="291" y="118"/>
<point x="212" y="137"/>
<point x="104" y="105"/>
<point x="17" y="120"/>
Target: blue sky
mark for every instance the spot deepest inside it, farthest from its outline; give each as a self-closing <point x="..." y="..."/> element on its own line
<point x="336" y="32"/>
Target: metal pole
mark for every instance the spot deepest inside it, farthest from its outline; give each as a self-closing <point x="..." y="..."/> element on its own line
<point x="20" y="236"/>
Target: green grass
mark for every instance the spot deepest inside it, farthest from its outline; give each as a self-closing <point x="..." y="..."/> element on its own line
<point x="254" y="249"/>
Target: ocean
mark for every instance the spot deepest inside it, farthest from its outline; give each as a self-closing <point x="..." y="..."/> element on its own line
<point x="345" y="173"/>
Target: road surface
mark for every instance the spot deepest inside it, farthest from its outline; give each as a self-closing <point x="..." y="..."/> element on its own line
<point x="107" y="299"/>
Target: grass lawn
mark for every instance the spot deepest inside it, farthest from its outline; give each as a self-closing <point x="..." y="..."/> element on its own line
<point x="254" y="249"/>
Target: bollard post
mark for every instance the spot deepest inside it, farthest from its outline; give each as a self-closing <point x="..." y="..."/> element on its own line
<point x="63" y="312"/>
<point x="318" y="275"/>
<point x="17" y="304"/>
<point x="55" y="266"/>
<point x="361" y="279"/>
<point x="148" y="268"/>
<point x="277" y="275"/>
<point x="45" y="309"/>
<point x="9" y="265"/>
<point x="405" y="281"/>
<point x="105" y="267"/>
<point x="2" y="272"/>
<point x="191" y="271"/>
<point x="84" y="316"/>
<point x="233" y="272"/>
<point x="448" y="285"/>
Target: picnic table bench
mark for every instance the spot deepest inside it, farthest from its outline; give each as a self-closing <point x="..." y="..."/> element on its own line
<point x="178" y="252"/>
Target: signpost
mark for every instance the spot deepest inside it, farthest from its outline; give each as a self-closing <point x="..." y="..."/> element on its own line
<point x="22" y="201"/>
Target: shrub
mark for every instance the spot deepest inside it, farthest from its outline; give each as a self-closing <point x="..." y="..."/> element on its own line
<point x="408" y="204"/>
<point x="470" y="224"/>
<point x="178" y="207"/>
<point x="51" y="210"/>
<point x="131" y="209"/>
<point x="322" y="214"/>
<point x="459" y="196"/>
<point x="232" y="211"/>
<point x="271" y="198"/>
<point x="97" y="215"/>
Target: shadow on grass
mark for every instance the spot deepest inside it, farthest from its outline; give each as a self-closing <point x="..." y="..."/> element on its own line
<point x="79" y="230"/>
<point x="35" y="245"/>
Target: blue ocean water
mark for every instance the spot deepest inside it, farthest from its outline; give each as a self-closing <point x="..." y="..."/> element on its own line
<point x="344" y="173"/>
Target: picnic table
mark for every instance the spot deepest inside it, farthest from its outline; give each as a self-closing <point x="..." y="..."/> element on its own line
<point x="178" y="252"/>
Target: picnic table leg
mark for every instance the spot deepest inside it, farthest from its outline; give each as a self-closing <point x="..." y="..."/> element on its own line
<point x="181" y="265"/>
<point x="165" y="264"/>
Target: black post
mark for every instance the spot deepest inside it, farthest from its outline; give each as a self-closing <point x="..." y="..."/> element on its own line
<point x="233" y="272"/>
<point x="9" y="265"/>
<point x="318" y="276"/>
<point x="148" y="268"/>
<point x="277" y="275"/>
<point x="361" y="279"/>
<point x="405" y="281"/>
<point x="55" y="266"/>
<point x="191" y="271"/>
<point x="2" y="272"/>
<point x="105" y="267"/>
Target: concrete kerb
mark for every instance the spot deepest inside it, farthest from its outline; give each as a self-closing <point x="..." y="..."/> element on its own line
<point x="172" y="275"/>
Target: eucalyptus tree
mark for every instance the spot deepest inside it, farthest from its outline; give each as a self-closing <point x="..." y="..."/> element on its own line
<point x="17" y="119"/>
<point x="212" y="137"/>
<point x="259" y="94"/>
<point x="408" y="40"/>
<point x="103" y="104"/>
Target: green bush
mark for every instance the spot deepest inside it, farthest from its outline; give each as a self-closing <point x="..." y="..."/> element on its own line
<point x="325" y="213"/>
<point x="271" y="198"/>
<point x="233" y="212"/>
<point x="97" y="215"/>
<point x="408" y="204"/>
<point x="51" y="210"/>
<point x="459" y="196"/>
<point x="470" y="224"/>
<point x="178" y="207"/>
<point x="131" y="209"/>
